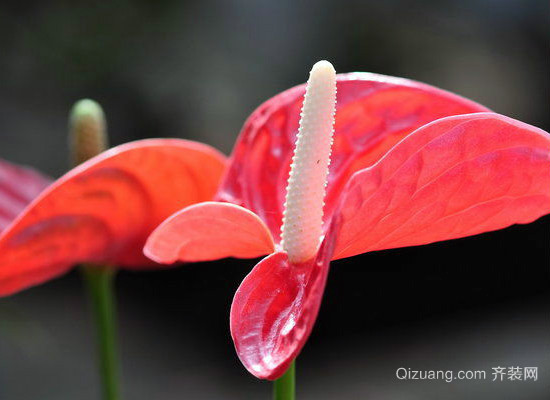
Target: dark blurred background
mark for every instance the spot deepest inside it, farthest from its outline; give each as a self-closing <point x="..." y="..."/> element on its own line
<point x="196" y="69"/>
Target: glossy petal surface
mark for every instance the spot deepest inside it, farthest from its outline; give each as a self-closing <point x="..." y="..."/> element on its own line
<point x="275" y="308"/>
<point x="455" y="177"/>
<point x="103" y="210"/>
<point x="373" y="113"/>
<point x="209" y="231"/>
<point x="18" y="187"/>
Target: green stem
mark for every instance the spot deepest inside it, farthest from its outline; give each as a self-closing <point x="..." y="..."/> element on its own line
<point x="284" y="388"/>
<point x="99" y="282"/>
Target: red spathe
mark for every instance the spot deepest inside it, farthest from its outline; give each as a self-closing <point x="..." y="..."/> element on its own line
<point x="18" y="187"/>
<point x="103" y="210"/>
<point x="411" y="164"/>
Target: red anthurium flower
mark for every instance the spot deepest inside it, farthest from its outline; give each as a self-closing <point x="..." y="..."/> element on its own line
<point x="103" y="210"/>
<point x="18" y="187"/>
<point x="410" y="165"/>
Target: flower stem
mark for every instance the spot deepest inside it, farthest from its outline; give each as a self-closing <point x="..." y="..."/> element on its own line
<point x="99" y="282"/>
<point x="284" y="388"/>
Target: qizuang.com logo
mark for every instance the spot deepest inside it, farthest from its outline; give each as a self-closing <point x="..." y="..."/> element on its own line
<point x="498" y="374"/>
<point x="445" y="375"/>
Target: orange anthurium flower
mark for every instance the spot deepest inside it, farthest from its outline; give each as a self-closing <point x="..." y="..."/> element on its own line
<point x="103" y="210"/>
<point x="409" y="164"/>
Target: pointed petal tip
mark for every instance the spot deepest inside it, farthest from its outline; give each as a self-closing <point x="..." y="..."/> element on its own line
<point x="275" y="309"/>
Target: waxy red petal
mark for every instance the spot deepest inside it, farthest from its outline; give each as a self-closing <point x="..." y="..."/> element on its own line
<point x="275" y="308"/>
<point x="209" y="231"/>
<point x="18" y="187"/>
<point x="373" y="113"/>
<point x="455" y="177"/>
<point x="103" y="210"/>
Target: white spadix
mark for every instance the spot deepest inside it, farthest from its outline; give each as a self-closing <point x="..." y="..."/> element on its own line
<point x="305" y="193"/>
